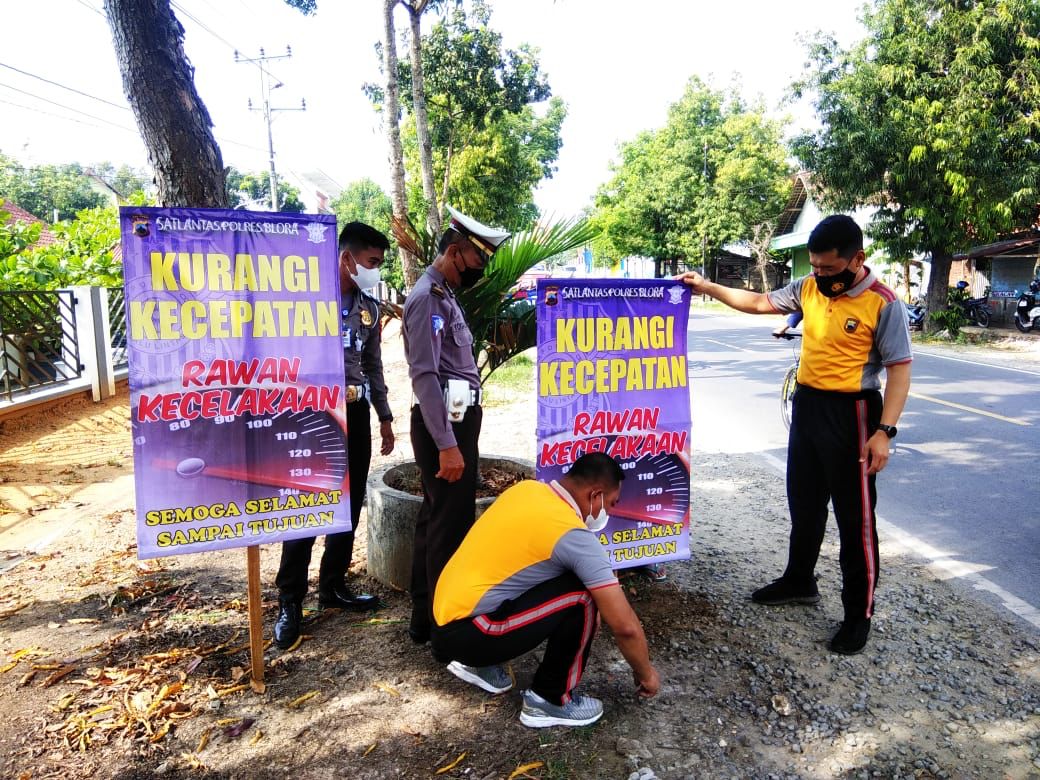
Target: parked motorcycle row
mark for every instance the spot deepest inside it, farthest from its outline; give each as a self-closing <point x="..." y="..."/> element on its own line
<point x="976" y="310"/>
<point x="1027" y="312"/>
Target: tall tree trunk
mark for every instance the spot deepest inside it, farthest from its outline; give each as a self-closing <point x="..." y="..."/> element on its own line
<point x="938" y="286"/>
<point x="422" y="122"/>
<point x="392" y="117"/>
<point x="159" y="83"/>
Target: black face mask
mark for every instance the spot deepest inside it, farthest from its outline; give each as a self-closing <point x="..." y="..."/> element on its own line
<point x="833" y="286"/>
<point x="470" y="276"/>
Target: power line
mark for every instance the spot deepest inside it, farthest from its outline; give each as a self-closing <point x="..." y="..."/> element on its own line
<point x="87" y="5"/>
<point x="62" y="86"/>
<point x="100" y="119"/>
<point x="65" y="118"/>
<point x="62" y="105"/>
<point x="178" y="7"/>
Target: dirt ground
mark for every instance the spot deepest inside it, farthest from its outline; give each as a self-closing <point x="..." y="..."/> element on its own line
<point x="111" y="667"/>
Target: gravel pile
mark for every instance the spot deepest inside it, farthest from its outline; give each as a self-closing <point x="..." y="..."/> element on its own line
<point x="947" y="687"/>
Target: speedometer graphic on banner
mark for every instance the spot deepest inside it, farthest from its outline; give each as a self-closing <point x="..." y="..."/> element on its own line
<point x="298" y="450"/>
<point x="657" y="489"/>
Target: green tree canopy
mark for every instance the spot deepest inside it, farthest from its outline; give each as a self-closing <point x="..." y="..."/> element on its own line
<point x="934" y="118"/>
<point x="43" y="189"/>
<point x="365" y="201"/>
<point x="715" y="170"/>
<point x="253" y="190"/>
<point x="82" y="253"/>
<point x="490" y="146"/>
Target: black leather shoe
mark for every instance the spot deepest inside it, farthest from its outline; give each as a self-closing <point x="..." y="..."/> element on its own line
<point x="851" y="637"/>
<point x="341" y="597"/>
<point x="782" y="591"/>
<point x="287" y="626"/>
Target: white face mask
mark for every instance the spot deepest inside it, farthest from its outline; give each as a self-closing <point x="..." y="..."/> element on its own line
<point x="365" y="278"/>
<point x="599" y="522"/>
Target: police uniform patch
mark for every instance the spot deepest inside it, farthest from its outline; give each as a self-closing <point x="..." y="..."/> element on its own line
<point x="438" y="323"/>
<point x="366" y="318"/>
<point x="851" y="324"/>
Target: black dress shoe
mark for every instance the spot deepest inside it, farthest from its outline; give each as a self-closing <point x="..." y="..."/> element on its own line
<point x="851" y="637"/>
<point x="342" y="598"/>
<point x="287" y="626"/>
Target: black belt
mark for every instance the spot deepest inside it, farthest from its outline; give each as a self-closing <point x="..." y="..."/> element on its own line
<point x="854" y="395"/>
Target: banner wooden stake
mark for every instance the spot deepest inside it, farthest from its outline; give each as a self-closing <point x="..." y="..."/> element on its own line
<point x="256" y="620"/>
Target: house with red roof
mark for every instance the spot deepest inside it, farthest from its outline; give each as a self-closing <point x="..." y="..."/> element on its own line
<point x="16" y="213"/>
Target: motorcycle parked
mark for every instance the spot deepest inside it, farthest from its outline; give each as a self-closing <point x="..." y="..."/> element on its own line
<point x="1027" y="313"/>
<point x="915" y="314"/>
<point x="976" y="310"/>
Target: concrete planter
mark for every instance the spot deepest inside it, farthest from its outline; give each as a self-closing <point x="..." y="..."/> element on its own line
<point x="392" y="514"/>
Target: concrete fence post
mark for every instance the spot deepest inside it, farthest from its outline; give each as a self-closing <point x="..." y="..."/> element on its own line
<point x="94" y="340"/>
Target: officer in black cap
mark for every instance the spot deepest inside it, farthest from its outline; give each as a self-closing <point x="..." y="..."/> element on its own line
<point x="446" y="411"/>
<point x="361" y="252"/>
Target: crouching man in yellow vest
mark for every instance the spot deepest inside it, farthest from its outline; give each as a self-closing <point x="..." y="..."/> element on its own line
<point x="529" y="571"/>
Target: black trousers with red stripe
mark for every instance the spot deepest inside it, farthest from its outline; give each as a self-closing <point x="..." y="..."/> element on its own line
<point x="559" y="612"/>
<point x="339" y="548"/>
<point x="828" y="431"/>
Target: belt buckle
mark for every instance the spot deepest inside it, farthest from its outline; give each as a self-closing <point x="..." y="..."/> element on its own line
<point x="352" y="393"/>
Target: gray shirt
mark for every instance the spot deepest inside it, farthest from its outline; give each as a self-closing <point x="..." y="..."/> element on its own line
<point x="438" y="346"/>
<point x="362" y="352"/>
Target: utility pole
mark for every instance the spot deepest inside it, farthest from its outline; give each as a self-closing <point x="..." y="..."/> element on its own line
<point x="268" y="83"/>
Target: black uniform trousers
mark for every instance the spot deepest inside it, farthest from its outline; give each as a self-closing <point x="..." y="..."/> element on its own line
<point x="339" y="548"/>
<point x="447" y="512"/>
<point x="560" y="610"/>
<point x="828" y="431"/>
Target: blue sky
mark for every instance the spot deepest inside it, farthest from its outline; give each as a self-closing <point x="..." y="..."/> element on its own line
<point x="617" y="65"/>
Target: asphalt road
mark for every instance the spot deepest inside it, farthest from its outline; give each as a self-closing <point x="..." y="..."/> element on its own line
<point x="961" y="486"/>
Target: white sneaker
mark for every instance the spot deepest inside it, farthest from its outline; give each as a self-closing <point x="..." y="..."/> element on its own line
<point x="579" y="711"/>
<point x="493" y="679"/>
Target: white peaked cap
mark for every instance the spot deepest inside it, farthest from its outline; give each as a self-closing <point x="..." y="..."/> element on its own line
<point x="471" y="228"/>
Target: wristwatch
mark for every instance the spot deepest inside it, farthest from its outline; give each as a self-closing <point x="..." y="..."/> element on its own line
<point x="890" y="430"/>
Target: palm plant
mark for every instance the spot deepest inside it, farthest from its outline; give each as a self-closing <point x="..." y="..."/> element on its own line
<point x="501" y="327"/>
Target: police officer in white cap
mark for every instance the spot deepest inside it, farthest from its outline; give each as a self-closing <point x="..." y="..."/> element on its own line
<point x="446" y="411"/>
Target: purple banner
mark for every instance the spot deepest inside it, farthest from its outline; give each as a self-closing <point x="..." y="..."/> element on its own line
<point x="613" y="377"/>
<point x="236" y="378"/>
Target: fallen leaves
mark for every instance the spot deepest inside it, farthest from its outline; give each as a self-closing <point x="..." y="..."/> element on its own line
<point x="386" y="688"/>
<point x="17" y="656"/>
<point x="238" y="728"/>
<point x="141" y="702"/>
<point x="452" y="765"/>
<point x="300" y="700"/>
<point x="523" y="769"/>
<point x="58" y="674"/>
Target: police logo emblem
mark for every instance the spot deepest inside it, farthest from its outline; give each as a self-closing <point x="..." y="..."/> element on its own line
<point x="438" y="323"/>
<point x="851" y="325"/>
<point x="366" y="318"/>
<point x="316" y="232"/>
<point x="552" y="296"/>
<point x="837" y="287"/>
<point x="141" y="227"/>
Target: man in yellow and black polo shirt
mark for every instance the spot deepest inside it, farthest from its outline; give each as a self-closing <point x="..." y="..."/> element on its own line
<point x="529" y="571"/>
<point x="853" y="327"/>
